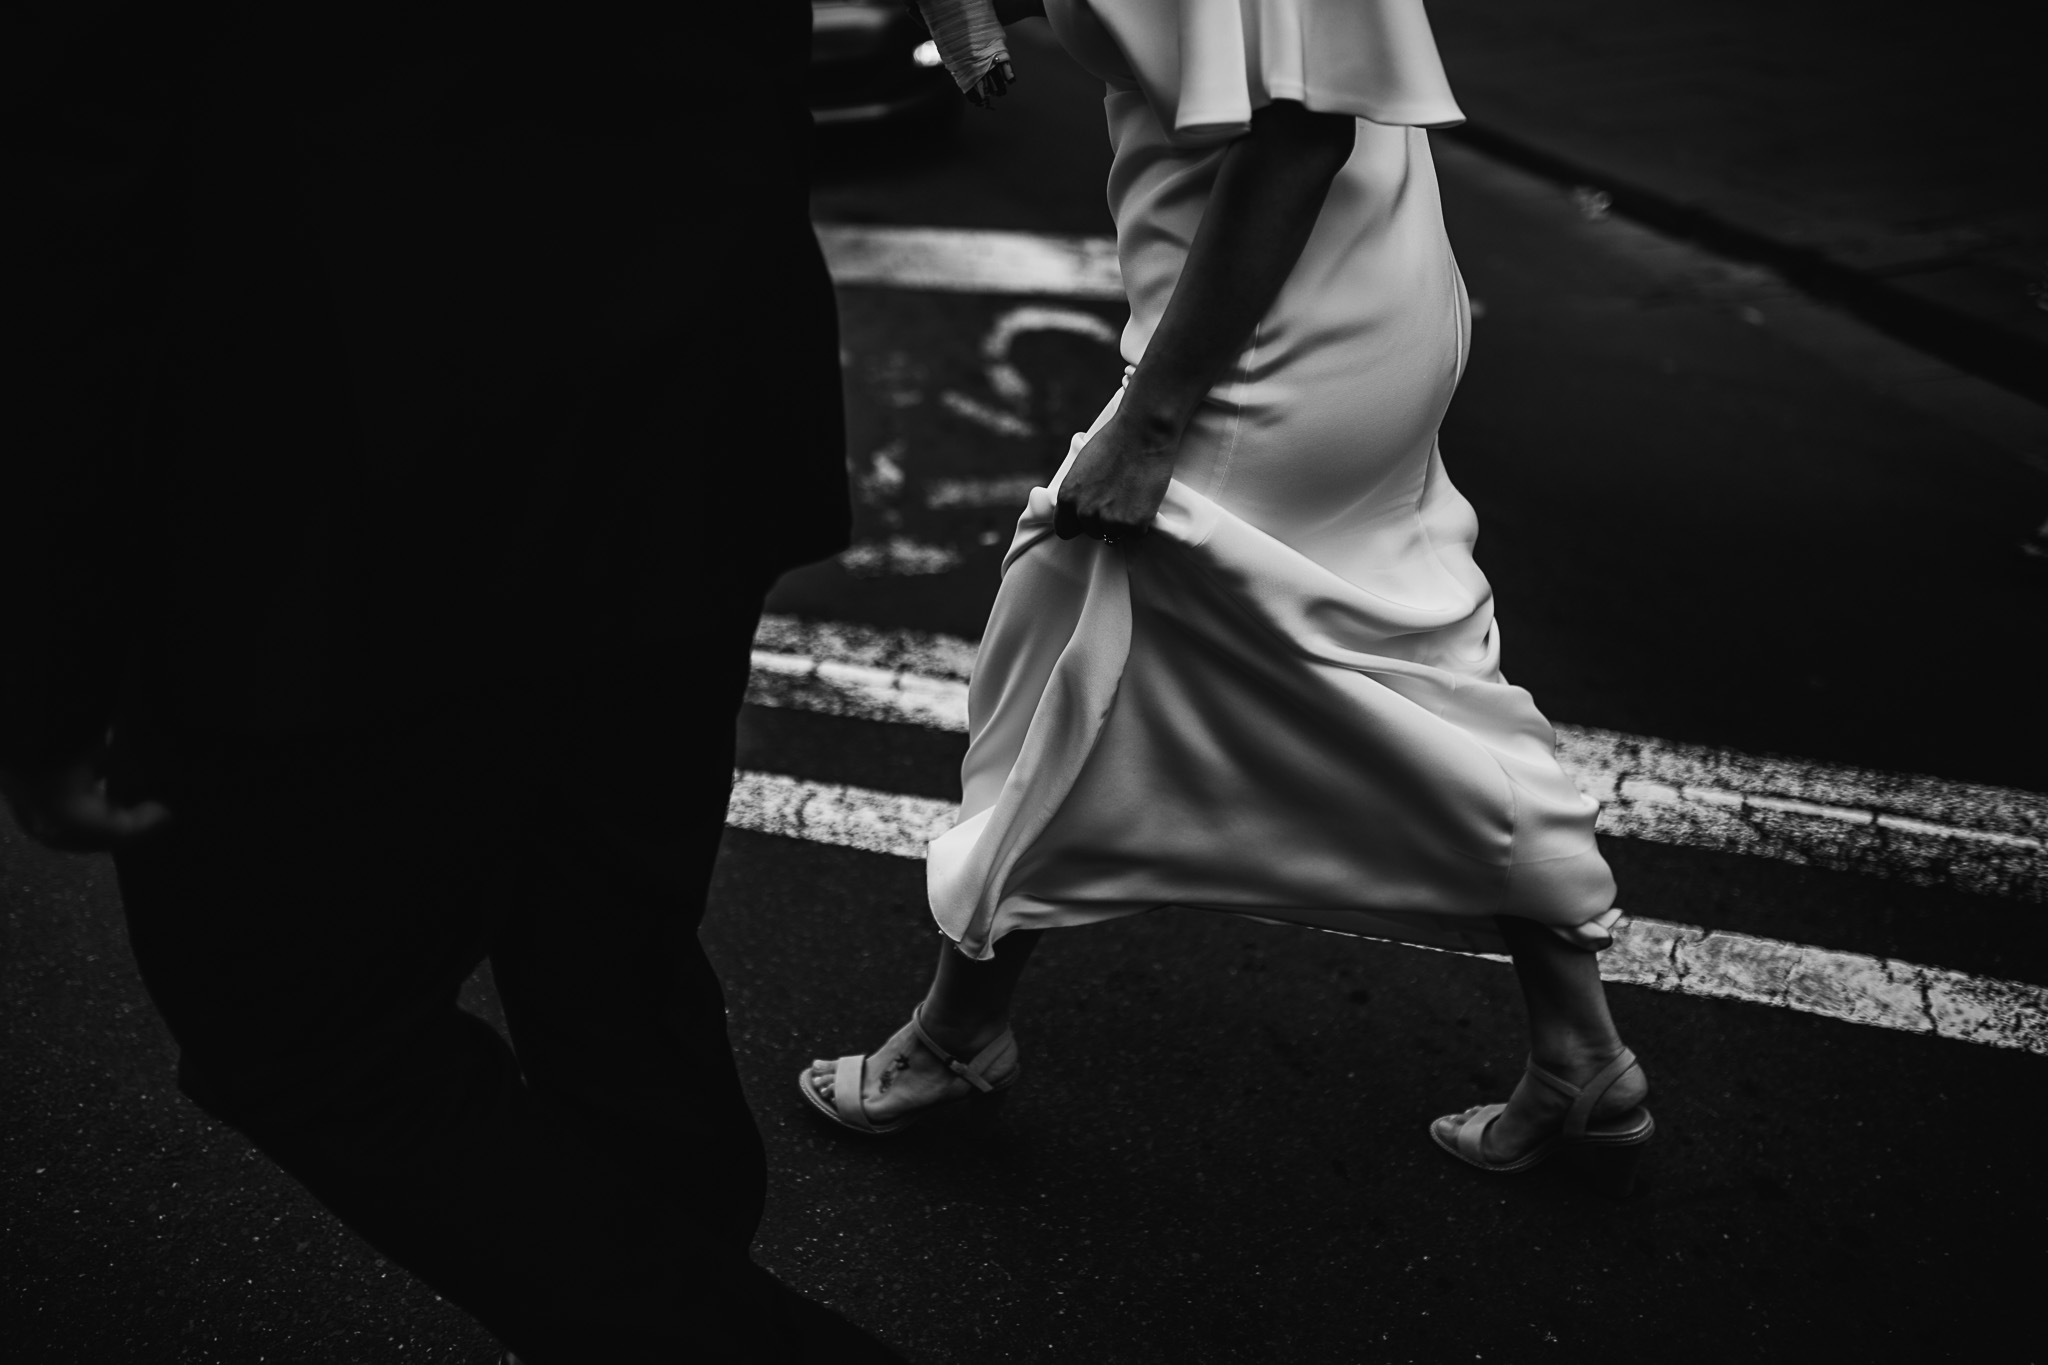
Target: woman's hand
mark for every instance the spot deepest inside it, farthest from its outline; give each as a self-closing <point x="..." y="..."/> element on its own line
<point x="1115" y="485"/>
<point x="1268" y="195"/>
<point x="969" y="36"/>
<point x="995" y="83"/>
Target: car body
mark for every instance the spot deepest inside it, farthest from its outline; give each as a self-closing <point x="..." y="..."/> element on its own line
<point x="873" y="63"/>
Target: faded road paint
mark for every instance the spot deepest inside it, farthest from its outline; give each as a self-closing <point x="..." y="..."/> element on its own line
<point x="1009" y="491"/>
<point x="1676" y="958"/>
<point x="898" y="556"/>
<point x="974" y="261"/>
<point x="1927" y="831"/>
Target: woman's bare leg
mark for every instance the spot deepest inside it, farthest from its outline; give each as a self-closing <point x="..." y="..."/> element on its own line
<point x="1571" y="1035"/>
<point x="968" y="1005"/>
<point x="966" y="1008"/>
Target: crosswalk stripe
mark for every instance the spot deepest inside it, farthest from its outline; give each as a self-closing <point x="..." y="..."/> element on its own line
<point x="942" y="658"/>
<point x="1923" y="830"/>
<point x="972" y="261"/>
<point x="1008" y="491"/>
<point x="830" y="813"/>
<point x="1928" y="831"/>
<point x="1675" y="958"/>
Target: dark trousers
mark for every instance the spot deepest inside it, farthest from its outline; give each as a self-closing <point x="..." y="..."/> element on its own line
<point x="308" y="917"/>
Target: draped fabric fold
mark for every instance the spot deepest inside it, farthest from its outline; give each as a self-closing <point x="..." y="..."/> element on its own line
<point x="971" y="869"/>
<point x="1210" y="719"/>
<point x="1287" y="701"/>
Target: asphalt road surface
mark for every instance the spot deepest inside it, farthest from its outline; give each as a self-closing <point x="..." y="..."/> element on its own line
<point x="1772" y="595"/>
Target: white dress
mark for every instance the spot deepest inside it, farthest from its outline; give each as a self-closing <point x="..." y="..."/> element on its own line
<point x="1287" y="700"/>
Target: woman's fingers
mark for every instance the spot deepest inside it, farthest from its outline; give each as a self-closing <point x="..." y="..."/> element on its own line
<point x="1066" y="521"/>
<point x="996" y="81"/>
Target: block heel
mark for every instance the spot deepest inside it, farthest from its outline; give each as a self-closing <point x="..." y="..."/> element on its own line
<point x="1610" y="1169"/>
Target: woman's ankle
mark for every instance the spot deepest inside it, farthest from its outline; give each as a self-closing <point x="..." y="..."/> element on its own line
<point x="960" y="1030"/>
<point x="1566" y="1053"/>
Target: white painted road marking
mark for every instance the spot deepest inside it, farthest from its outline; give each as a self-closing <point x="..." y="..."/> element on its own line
<point x="961" y="260"/>
<point x="1008" y="491"/>
<point x="1677" y="958"/>
<point x="1924" y="830"/>
<point x="1991" y="841"/>
<point x="901" y="651"/>
<point x="828" y="813"/>
<point x="1983" y="839"/>
<point x="986" y="415"/>
<point x="898" y="556"/>
<point x="1005" y="378"/>
<point x="912" y="698"/>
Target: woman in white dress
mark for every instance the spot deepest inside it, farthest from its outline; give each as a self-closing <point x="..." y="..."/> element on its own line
<point x="1241" y="658"/>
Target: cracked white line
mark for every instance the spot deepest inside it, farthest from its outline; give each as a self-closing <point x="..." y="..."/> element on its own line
<point x="1924" y="830"/>
<point x="1007" y="492"/>
<point x="1676" y="958"/>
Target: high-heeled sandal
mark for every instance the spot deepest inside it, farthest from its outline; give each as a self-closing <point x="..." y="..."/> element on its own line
<point x="1608" y="1154"/>
<point x="848" y="1110"/>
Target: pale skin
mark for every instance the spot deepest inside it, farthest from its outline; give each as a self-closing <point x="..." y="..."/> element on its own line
<point x="1268" y="193"/>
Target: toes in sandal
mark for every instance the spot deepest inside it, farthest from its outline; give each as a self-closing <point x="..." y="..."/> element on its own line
<point x="848" y="1110"/>
<point x="1608" y="1154"/>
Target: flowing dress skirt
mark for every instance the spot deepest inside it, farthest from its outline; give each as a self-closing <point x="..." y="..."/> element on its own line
<point x="1211" y="718"/>
<point x="1287" y="700"/>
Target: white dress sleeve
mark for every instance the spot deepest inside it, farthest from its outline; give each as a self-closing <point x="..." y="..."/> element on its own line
<point x="1205" y="65"/>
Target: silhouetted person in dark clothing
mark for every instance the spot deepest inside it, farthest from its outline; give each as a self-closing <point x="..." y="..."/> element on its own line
<point x="423" y="398"/>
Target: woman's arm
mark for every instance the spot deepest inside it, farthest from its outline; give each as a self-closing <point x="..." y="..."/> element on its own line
<point x="1268" y="193"/>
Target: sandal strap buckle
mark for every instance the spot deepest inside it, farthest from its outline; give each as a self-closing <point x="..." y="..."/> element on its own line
<point x="975" y="1073"/>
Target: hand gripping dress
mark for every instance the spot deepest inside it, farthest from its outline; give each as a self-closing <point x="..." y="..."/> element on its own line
<point x="1287" y="700"/>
